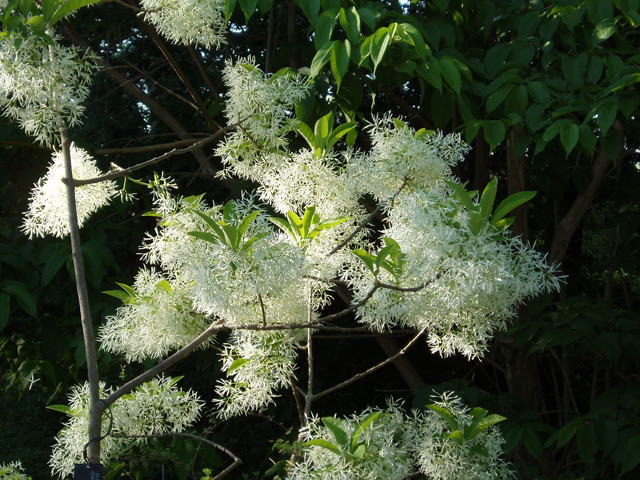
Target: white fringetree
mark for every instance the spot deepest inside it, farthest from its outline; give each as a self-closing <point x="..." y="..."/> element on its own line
<point x="445" y="263"/>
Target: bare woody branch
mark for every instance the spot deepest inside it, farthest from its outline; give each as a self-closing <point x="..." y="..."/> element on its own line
<point x="176" y="151"/>
<point x="357" y="377"/>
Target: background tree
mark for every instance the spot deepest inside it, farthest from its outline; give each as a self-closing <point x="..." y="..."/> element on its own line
<point x="544" y="91"/>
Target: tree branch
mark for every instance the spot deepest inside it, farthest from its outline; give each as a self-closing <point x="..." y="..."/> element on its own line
<point x="161" y="367"/>
<point x="372" y="369"/>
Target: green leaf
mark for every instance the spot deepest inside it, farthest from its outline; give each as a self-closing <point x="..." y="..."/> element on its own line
<point x="566" y="434"/>
<point x="60" y="408"/>
<point x="444" y="413"/>
<point x="237" y="363"/>
<point x="244" y="224"/>
<point x="325" y="26"/>
<point x="54" y="263"/>
<point x="497" y="97"/>
<point x="337" y="428"/>
<point x="480" y="450"/>
<point x="509" y="203"/>
<point x="368" y="420"/>
<point x="248" y="8"/>
<point x="605" y="29"/>
<point x="457" y="437"/>
<point x="350" y="21"/>
<point x="379" y="45"/>
<point x="320" y="59"/>
<point x="229" y="6"/>
<point x="487" y="199"/>
<point x="368" y="259"/>
<point x="631" y="458"/>
<point x="587" y="443"/>
<point x="319" y="442"/>
<point x="37" y="23"/>
<point x="462" y="194"/>
<point x="25" y="298"/>
<point x="359" y="451"/>
<point x="494" y="132"/>
<point x="340" y="54"/>
<point x="368" y="17"/>
<point x="307" y="218"/>
<point x="310" y="8"/>
<point x="451" y="73"/>
<point x="128" y="289"/>
<point x="416" y="39"/>
<point x="119" y="294"/>
<point x="307" y="133"/>
<point x="569" y="136"/>
<point x="607" y="112"/>
<point x="207" y="237"/>
<point x="339" y="132"/>
<point x="67" y="7"/>
<point x="283" y="225"/>
<point x="322" y="128"/>
<point x="215" y="226"/>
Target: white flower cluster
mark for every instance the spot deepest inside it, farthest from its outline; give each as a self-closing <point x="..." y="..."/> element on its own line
<point x="473" y="282"/>
<point x="48" y="212"/>
<point x="385" y="457"/>
<point x="41" y="86"/>
<point x="190" y="22"/>
<point x="267" y="362"/>
<point x="399" y="154"/>
<point x="3" y="4"/>
<point x="14" y="470"/>
<point x="158" y="320"/>
<point x="267" y="101"/>
<point x="442" y="458"/>
<point x="397" y="445"/>
<point x="253" y="285"/>
<point x="155" y="407"/>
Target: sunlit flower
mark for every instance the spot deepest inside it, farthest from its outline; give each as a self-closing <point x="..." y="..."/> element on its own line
<point x="48" y="212"/>
<point x="157" y="321"/>
<point x="43" y="86"/>
<point x="153" y="408"/>
<point x="191" y="22"/>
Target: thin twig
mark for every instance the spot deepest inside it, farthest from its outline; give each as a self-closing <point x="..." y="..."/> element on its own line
<point x="264" y="314"/>
<point x="295" y="395"/>
<point x="311" y="323"/>
<point x="372" y="369"/>
<point x="309" y="397"/>
<point x="161" y="367"/>
<point x="366" y="221"/>
<point x="236" y="460"/>
<point x="127" y="171"/>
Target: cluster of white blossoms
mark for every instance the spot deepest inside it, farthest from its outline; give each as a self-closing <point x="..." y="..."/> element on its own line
<point x="156" y="320"/>
<point x="259" y="363"/>
<point x="190" y="22"/>
<point x="48" y="212"/>
<point x="399" y="154"/>
<point x="153" y="408"/>
<point x="395" y="445"/>
<point x="14" y="470"/>
<point x="43" y="86"/>
<point x="473" y="283"/>
<point x="241" y="285"/>
<point x="264" y="103"/>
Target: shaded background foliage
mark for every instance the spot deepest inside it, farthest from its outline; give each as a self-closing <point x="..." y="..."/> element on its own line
<point x="544" y="91"/>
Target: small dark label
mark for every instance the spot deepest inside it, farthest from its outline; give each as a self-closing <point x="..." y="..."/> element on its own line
<point x="91" y="471"/>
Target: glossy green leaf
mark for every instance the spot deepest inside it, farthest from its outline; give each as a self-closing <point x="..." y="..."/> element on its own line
<point x="248" y="7"/>
<point x="324" y="27"/>
<point x="339" y="59"/>
<point x="320" y="59"/>
<point x="319" y="442"/>
<point x="379" y="45"/>
<point x="337" y="428"/>
<point x="509" y="203"/>
<point x="444" y="413"/>
<point x="339" y="132"/>
<point x="350" y="22"/>
<point x="67" y="7"/>
<point x="310" y="8"/>
<point x="237" y="363"/>
<point x="451" y="73"/>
